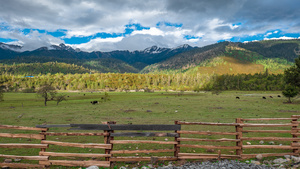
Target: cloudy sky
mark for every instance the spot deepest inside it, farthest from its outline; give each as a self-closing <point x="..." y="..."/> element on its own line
<point x="106" y="25"/>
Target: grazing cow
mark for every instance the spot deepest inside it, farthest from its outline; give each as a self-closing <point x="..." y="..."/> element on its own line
<point x="237" y="97"/>
<point x="94" y="102"/>
<point x="83" y="94"/>
<point x="264" y="97"/>
<point x="278" y="96"/>
<point x="271" y="96"/>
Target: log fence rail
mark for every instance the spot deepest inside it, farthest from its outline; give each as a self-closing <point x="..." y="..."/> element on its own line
<point x="113" y="134"/>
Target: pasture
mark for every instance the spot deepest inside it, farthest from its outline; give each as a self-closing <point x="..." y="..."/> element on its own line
<point x="26" y="109"/>
<point x="146" y="108"/>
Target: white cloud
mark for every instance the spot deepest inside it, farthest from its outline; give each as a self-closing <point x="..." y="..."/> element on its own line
<point x="268" y="34"/>
<point x="32" y="40"/>
<point x="280" y="38"/>
<point x="210" y="20"/>
<point x="152" y="31"/>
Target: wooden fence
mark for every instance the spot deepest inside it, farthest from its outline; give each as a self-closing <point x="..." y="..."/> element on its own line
<point x="180" y="141"/>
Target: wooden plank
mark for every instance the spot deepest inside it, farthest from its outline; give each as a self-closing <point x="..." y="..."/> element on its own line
<point x="20" y="145"/>
<point x="141" y="151"/>
<point x="103" y="146"/>
<point x="53" y="125"/>
<point x="267" y="146"/>
<point x="197" y="157"/>
<point x="267" y="125"/>
<point x="296" y="116"/>
<point x="74" y="134"/>
<point x="206" y="157"/>
<point x="54" y="154"/>
<point x="21" y="165"/>
<point x="30" y="136"/>
<point x="267" y="131"/>
<point x="142" y="158"/>
<point x="139" y="134"/>
<point x="141" y="142"/>
<point x="209" y="140"/>
<point x="271" y="138"/>
<point x="22" y="128"/>
<point x="41" y="158"/>
<point x="245" y="156"/>
<point x="295" y="144"/>
<point x="210" y="124"/>
<point x="296" y="134"/>
<point x="207" y="133"/>
<point x="76" y="163"/>
<point x="201" y="154"/>
<point x="209" y="146"/>
<point x="157" y="127"/>
<point x="260" y="119"/>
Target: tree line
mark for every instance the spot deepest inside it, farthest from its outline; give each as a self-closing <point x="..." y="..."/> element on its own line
<point x="131" y="81"/>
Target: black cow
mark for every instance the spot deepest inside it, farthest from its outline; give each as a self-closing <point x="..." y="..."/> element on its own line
<point x="264" y="97"/>
<point x="278" y="96"/>
<point x="94" y="102"/>
<point x="271" y="96"/>
<point x="237" y="97"/>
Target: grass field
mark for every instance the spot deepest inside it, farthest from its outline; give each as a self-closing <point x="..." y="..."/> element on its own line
<point x="26" y="109"/>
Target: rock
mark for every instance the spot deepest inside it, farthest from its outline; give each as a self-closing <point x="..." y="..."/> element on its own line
<point x="122" y="167"/>
<point x="280" y="160"/>
<point x="144" y="167"/>
<point x="248" y="143"/>
<point x="17" y="160"/>
<point x="271" y="143"/>
<point x="255" y="162"/>
<point x="295" y="159"/>
<point x="93" y="167"/>
<point x="259" y="157"/>
<point x="166" y="139"/>
<point x="8" y="161"/>
<point x="149" y="110"/>
<point x="261" y="142"/>
<point x="287" y="156"/>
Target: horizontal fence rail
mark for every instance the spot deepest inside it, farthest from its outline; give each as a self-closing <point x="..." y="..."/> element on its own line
<point x="126" y="142"/>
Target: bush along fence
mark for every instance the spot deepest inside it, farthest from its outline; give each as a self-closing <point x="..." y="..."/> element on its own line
<point x="128" y="142"/>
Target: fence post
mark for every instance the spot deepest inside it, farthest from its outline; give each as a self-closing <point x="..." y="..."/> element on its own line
<point x="295" y="130"/>
<point x="239" y="130"/>
<point x="44" y="149"/>
<point x="176" y="147"/>
<point x="108" y="138"/>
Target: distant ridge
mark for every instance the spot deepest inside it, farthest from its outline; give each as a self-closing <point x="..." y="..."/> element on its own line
<point x="275" y="55"/>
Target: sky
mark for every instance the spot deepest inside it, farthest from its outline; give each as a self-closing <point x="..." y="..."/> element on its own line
<point x="107" y="25"/>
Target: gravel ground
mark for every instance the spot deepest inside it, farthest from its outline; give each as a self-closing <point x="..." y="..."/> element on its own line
<point x="225" y="164"/>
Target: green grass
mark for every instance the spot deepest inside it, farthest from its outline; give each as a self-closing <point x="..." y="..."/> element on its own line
<point x="26" y="109"/>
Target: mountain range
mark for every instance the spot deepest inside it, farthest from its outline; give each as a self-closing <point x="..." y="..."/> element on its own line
<point x="220" y="58"/>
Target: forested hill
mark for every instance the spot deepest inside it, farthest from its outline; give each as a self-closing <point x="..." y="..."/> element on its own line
<point x="232" y="58"/>
<point x="219" y="58"/>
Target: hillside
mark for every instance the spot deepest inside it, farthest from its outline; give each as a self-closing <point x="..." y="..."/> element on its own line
<point x="232" y="58"/>
<point x="42" y="68"/>
<point x="220" y="58"/>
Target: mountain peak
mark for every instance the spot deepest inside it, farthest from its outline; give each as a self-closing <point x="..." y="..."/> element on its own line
<point x="10" y="47"/>
<point x="154" y="49"/>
